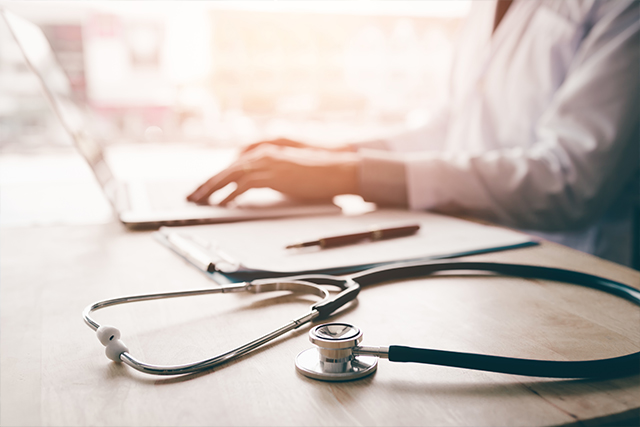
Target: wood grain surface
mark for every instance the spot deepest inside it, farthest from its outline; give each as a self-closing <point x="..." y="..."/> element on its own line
<point x="54" y="372"/>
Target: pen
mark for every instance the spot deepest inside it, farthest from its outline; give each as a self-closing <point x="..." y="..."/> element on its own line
<point x="349" y="239"/>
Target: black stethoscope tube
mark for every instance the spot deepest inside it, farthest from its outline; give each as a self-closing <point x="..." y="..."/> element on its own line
<point x="385" y="274"/>
<point x="613" y="367"/>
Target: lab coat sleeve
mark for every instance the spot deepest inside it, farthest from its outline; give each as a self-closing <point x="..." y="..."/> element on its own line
<point x="430" y="136"/>
<point x="586" y="147"/>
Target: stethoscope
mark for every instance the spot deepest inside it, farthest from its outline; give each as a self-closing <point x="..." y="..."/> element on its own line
<point x="338" y="356"/>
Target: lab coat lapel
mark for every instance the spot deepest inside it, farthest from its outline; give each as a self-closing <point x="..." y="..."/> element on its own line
<point x="513" y="24"/>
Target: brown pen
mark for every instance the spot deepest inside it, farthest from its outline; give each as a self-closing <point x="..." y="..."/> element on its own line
<point x="349" y="239"/>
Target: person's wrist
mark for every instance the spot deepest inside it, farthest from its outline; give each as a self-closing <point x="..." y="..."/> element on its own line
<point x="346" y="148"/>
<point x="348" y="175"/>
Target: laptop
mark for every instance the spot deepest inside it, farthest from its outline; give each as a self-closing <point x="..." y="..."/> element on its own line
<point x="140" y="204"/>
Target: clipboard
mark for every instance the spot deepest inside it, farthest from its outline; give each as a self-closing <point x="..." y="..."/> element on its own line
<point x="251" y="250"/>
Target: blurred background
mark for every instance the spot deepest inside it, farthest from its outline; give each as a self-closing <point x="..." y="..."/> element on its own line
<point x="202" y="75"/>
<point x="228" y="73"/>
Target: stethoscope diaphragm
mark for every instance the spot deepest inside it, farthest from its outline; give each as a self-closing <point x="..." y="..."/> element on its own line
<point x="333" y="357"/>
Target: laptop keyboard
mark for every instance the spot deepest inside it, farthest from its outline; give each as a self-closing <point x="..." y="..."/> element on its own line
<point x="165" y="196"/>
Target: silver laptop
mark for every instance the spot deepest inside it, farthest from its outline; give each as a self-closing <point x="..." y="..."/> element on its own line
<point x="138" y="204"/>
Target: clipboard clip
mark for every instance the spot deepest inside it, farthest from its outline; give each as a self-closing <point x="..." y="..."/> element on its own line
<point x="201" y="254"/>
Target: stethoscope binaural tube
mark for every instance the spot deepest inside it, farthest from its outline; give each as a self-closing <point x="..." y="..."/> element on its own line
<point x="356" y="361"/>
<point x="117" y="351"/>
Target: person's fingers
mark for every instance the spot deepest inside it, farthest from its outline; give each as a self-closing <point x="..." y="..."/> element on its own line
<point x="252" y="147"/>
<point x="292" y="171"/>
<point x="203" y="190"/>
<point x="233" y="173"/>
<point x="194" y="195"/>
<point x="280" y="142"/>
<point x="215" y="183"/>
<point x="245" y="183"/>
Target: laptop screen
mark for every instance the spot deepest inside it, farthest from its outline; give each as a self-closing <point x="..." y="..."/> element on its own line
<point x="56" y="86"/>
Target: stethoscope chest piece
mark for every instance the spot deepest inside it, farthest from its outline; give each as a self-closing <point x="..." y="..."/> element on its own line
<point x="333" y="358"/>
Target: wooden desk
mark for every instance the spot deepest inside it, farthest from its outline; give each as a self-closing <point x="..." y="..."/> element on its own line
<point x="54" y="372"/>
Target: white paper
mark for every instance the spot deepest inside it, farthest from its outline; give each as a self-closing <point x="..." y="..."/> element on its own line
<point x="261" y="244"/>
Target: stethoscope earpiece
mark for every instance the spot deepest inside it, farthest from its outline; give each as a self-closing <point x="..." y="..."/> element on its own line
<point x="109" y="336"/>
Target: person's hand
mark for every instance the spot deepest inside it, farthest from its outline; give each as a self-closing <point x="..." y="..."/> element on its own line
<point x="298" y="172"/>
<point x="284" y="142"/>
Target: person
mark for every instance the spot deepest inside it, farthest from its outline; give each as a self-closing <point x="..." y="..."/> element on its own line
<point x="541" y="132"/>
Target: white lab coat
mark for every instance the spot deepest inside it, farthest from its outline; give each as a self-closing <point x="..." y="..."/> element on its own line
<point x="541" y="129"/>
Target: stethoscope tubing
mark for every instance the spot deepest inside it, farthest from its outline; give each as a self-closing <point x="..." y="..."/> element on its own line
<point x="415" y="270"/>
<point x="612" y="367"/>
<point x="350" y="287"/>
<point x="604" y="368"/>
<point x="256" y="286"/>
<point x="202" y="365"/>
